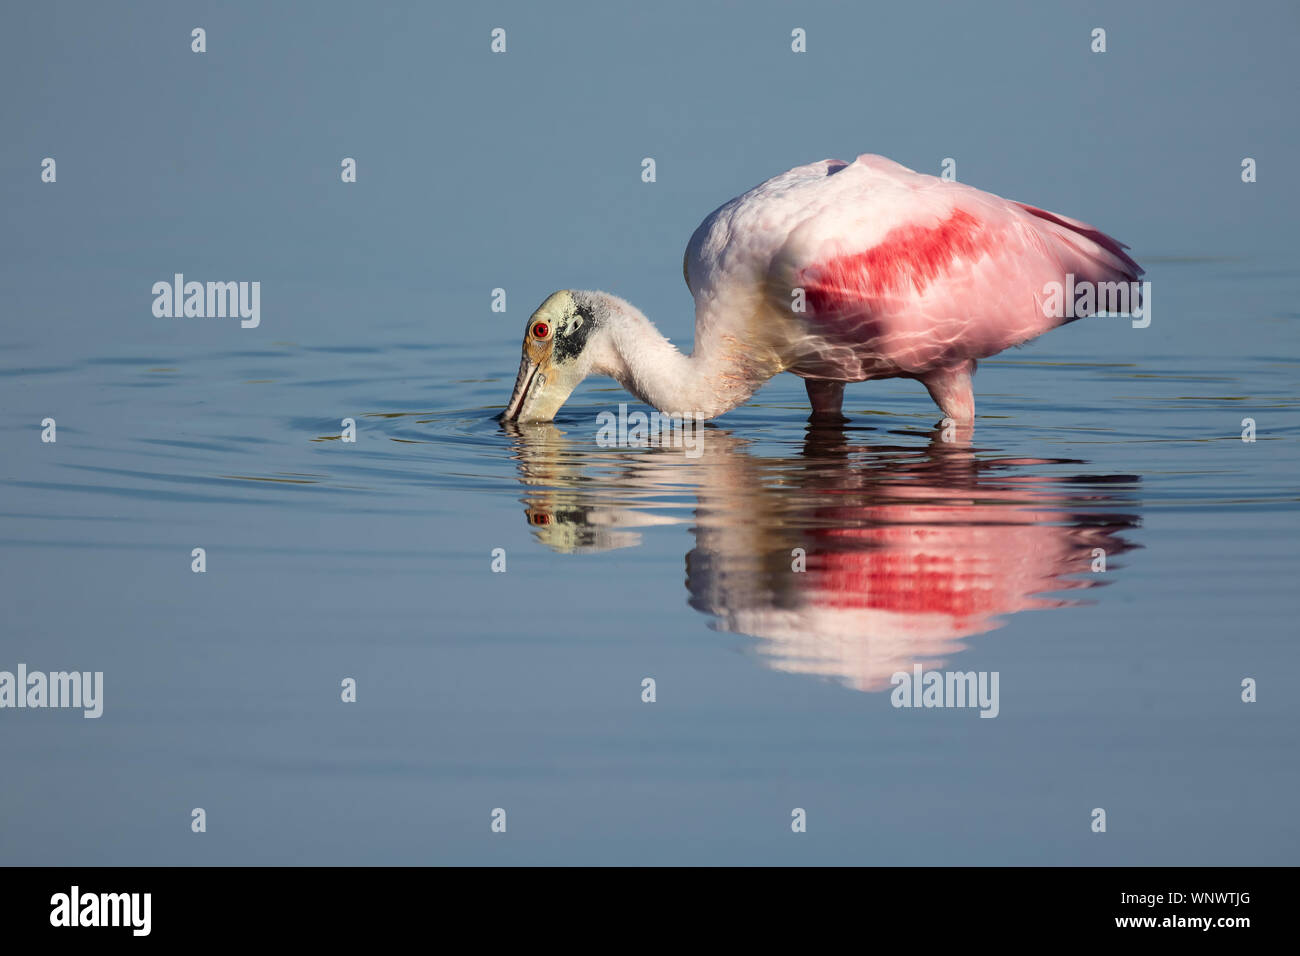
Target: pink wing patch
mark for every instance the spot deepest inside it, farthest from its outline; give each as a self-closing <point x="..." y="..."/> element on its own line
<point x="908" y="258"/>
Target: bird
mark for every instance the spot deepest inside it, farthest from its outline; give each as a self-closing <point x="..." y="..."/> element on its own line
<point x="836" y="272"/>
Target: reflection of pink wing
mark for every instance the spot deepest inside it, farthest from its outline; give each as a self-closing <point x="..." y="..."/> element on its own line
<point x="892" y="584"/>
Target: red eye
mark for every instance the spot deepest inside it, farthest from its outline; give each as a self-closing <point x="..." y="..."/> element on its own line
<point x="541" y="330"/>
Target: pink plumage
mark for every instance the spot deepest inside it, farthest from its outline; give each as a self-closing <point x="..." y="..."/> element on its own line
<point x="901" y="274"/>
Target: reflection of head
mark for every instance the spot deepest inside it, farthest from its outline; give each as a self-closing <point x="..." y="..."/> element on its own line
<point x="570" y="529"/>
<point x="583" y="502"/>
<point x="846" y="561"/>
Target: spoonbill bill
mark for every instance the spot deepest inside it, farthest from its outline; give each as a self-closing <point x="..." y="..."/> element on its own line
<point x="838" y="272"/>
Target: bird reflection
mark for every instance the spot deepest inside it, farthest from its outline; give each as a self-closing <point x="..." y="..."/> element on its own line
<point x="845" y="560"/>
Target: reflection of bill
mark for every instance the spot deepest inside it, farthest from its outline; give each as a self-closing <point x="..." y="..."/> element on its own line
<point x="846" y="561"/>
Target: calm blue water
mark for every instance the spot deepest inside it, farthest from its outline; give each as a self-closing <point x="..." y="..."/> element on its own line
<point x="522" y="690"/>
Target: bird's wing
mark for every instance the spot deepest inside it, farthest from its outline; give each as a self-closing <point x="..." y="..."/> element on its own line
<point x="881" y="254"/>
<point x="740" y="232"/>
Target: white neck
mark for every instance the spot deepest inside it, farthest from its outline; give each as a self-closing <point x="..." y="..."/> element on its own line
<point x="714" y="379"/>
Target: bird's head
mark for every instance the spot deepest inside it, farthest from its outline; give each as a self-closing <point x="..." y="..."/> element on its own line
<point x="559" y="352"/>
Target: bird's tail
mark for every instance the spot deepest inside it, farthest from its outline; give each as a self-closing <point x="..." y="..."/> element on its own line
<point x="1092" y="256"/>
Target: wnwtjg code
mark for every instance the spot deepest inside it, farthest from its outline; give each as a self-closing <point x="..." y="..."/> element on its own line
<point x="1173" y="896"/>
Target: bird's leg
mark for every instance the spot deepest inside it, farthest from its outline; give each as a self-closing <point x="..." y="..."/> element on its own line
<point x="826" y="398"/>
<point x="951" y="390"/>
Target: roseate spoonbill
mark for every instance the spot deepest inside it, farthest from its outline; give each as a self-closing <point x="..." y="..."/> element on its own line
<point x="838" y="272"/>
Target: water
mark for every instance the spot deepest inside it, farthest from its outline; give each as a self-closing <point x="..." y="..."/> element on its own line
<point x="522" y="690"/>
<point x="372" y="560"/>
